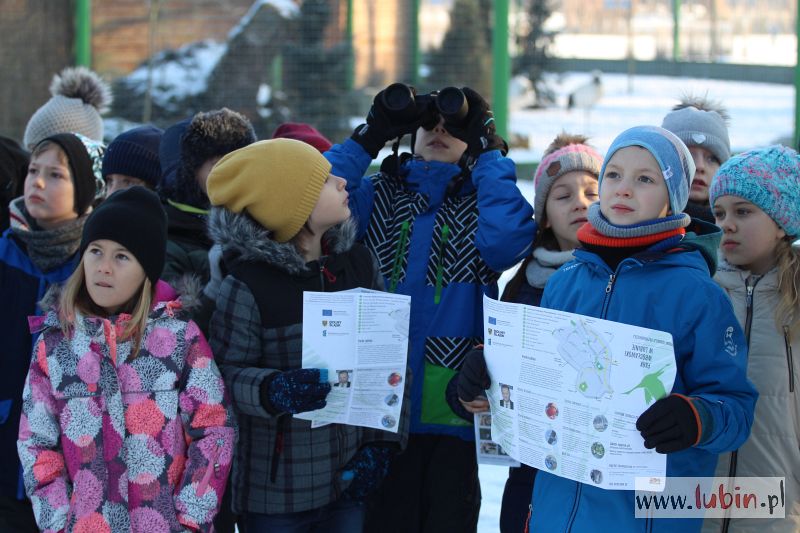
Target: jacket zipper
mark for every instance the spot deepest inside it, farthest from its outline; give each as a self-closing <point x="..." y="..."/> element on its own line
<point x="748" y="322"/>
<point x="443" y="238"/>
<point x="787" y="339"/>
<point x="610" y="287"/>
<point x="212" y="468"/>
<point x="399" y="252"/>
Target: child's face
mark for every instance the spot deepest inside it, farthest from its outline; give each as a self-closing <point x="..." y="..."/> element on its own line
<point x="633" y="188"/>
<point x="438" y="145"/>
<point x="706" y="165"/>
<point x="113" y="274"/>
<point x="119" y="182"/>
<point x="332" y="207"/>
<point x="567" y="202"/>
<point x="49" y="191"/>
<point x="750" y="237"/>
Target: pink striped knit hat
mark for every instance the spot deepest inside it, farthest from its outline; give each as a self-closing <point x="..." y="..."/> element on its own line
<point x="571" y="157"/>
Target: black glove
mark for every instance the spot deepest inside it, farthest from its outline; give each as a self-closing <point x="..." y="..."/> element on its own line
<point x="295" y="391"/>
<point x="383" y="125"/>
<point x="366" y="469"/>
<point x="669" y="425"/>
<point x="473" y="378"/>
<point x="478" y="128"/>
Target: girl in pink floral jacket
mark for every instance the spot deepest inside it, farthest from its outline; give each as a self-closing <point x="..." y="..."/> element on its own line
<point x="126" y="424"/>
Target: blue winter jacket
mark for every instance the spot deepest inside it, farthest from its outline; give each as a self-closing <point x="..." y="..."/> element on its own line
<point x="445" y="250"/>
<point x="22" y="285"/>
<point x="671" y="292"/>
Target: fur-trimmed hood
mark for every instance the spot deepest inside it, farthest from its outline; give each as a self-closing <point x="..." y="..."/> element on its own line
<point x="244" y="239"/>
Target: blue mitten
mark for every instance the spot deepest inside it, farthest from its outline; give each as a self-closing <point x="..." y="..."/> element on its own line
<point x="295" y="391"/>
<point x="366" y="469"/>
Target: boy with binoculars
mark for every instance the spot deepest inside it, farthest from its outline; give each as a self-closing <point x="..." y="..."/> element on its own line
<point x="443" y="223"/>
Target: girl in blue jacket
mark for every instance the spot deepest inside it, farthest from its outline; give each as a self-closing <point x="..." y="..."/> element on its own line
<point x="443" y="222"/>
<point x="39" y="249"/>
<point x="638" y="265"/>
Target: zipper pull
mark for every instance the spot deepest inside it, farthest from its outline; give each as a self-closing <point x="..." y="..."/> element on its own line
<point x="610" y="283"/>
<point x="749" y="300"/>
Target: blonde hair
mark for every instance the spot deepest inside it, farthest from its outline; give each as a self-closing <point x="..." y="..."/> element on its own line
<point x="75" y="298"/>
<point x="788" y="260"/>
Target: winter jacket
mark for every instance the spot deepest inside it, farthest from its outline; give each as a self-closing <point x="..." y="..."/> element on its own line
<point x="281" y="464"/>
<point x="187" y="243"/>
<point x="22" y="285"/>
<point x="110" y="443"/>
<point x="773" y="449"/>
<point x="670" y="292"/>
<point x="444" y="246"/>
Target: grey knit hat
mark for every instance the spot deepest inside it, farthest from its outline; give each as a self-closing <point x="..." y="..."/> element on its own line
<point x="697" y="127"/>
<point x="79" y="97"/>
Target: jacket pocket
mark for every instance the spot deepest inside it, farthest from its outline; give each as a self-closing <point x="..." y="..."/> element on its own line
<point x="5" y="409"/>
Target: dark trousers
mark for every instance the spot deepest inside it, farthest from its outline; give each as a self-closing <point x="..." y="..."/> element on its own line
<point x="517" y="499"/>
<point x="16" y="516"/>
<point x="431" y="487"/>
<point x="341" y="516"/>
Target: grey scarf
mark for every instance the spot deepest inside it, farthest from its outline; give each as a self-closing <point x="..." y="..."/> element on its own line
<point x="48" y="249"/>
<point x="544" y="264"/>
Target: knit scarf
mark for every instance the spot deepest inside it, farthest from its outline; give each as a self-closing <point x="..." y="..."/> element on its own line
<point x="48" y="249"/>
<point x="614" y="243"/>
<point x="544" y="264"/>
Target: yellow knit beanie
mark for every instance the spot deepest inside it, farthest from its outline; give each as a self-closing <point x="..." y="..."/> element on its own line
<point x="277" y="182"/>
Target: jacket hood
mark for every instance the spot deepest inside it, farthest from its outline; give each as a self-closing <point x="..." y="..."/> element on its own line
<point x="705" y="238"/>
<point x="244" y="239"/>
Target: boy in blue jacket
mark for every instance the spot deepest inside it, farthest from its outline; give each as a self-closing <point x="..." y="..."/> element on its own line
<point x="639" y="266"/>
<point x="443" y="222"/>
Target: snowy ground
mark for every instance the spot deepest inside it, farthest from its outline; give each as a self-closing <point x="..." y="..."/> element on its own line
<point x="760" y="114"/>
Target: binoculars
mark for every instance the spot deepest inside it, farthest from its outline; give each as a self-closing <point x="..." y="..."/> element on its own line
<point x="403" y="105"/>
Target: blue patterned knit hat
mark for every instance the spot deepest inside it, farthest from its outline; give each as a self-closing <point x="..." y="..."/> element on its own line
<point x="674" y="160"/>
<point x="767" y="177"/>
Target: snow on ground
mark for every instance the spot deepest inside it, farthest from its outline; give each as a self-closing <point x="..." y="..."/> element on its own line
<point x="760" y="114"/>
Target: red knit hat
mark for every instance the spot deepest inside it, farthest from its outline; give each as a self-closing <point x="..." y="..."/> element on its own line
<point x="303" y="132"/>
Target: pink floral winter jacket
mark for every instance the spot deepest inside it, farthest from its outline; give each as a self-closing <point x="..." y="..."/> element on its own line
<point x="109" y="444"/>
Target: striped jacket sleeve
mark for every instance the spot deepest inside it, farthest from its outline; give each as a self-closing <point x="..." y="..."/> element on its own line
<point x="235" y="338"/>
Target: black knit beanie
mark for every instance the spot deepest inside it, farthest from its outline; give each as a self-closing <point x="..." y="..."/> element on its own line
<point x="80" y="165"/>
<point x="135" y="219"/>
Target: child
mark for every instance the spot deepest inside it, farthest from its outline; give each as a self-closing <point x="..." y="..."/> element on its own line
<point x="756" y="199"/>
<point x="282" y="221"/>
<point x="79" y="97"/>
<point x="443" y="223"/>
<point x="38" y="250"/>
<point x="187" y="152"/>
<point x="702" y="125"/>
<point x="565" y="185"/>
<point x="132" y="159"/>
<point x="14" y="161"/>
<point x="126" y="426"/>
<point x="638" y="266"/>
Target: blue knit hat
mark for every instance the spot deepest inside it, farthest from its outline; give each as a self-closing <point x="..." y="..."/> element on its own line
<point x="674" y="160"/>
<point x="135" y="153"/>
<point x="767" y="177"/>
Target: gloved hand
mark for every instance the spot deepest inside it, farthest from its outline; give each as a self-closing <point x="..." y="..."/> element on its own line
<point x="382" y="125"/>
<point x="669" y="425"/>
<point x="473" y="378"/>
<point x="478" y="128"/>
<point x="295" y="391"/>
<point x="366" y="469"/>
